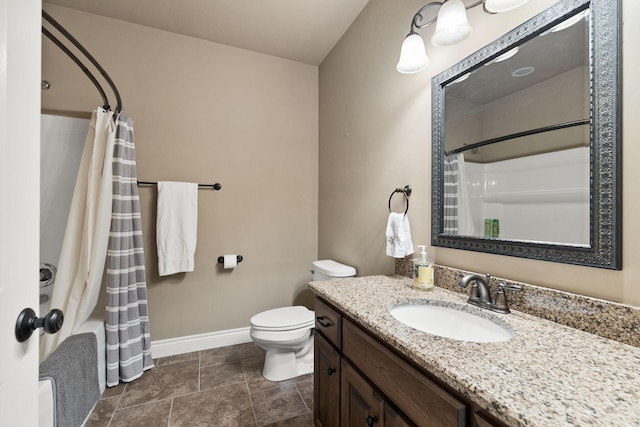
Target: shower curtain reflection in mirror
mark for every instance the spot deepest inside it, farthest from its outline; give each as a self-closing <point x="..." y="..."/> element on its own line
<point x="457" y="210"/>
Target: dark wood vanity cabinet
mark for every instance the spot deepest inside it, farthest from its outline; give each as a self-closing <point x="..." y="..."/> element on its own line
<point x="326" y="392"/>
<point x="362" y="405"/>
<point x="361" y="382"/>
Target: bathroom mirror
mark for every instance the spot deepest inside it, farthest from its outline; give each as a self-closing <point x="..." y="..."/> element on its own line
<point x="526" y="157"/>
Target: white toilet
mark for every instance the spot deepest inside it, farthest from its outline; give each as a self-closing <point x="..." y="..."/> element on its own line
<point x="286" y="332"/>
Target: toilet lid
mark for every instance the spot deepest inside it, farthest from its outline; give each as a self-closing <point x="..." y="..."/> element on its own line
<point x="284" y="318"/>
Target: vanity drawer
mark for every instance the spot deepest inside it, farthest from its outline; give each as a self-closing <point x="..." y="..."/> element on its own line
<point x="422" y="400"/>
<point x="328" y="322"/>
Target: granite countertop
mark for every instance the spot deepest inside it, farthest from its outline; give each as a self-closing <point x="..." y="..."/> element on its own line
<point x="545" y="375"/>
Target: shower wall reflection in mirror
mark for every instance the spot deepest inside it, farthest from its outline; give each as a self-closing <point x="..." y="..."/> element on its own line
<point x="525" y="152"/>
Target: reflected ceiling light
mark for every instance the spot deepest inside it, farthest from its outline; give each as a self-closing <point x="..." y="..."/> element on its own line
<point x="461" y="78"/>
<point x="571" y="21"/>
<point x="521" y="72"/>
<point x="452" y="27"/>
<point x="508" y="54"/>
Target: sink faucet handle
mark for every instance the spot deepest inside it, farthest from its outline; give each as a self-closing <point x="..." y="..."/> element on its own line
<point x="514" y="288"/>
<point x="501" y="305"/>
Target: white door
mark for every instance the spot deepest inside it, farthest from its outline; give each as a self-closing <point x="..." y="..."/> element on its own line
<point x="19" y="205"/>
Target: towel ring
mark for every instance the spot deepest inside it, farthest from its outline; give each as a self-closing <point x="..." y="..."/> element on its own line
<point x="406" y="191"/>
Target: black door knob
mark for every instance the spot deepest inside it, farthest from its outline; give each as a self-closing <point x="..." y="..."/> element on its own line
<point x="28" y="322"/>
<point x="371" y="420"/>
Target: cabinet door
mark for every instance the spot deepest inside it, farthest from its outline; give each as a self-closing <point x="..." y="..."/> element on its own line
<point x="393" y="419"/>
<point x="483" y="419"/>
<point x="423" y="401"/>
<point x="326" y="390"/>
<point x="360" y="404"/>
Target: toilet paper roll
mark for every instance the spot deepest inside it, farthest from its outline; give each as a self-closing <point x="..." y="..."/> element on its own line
<point x="230" y="261"/>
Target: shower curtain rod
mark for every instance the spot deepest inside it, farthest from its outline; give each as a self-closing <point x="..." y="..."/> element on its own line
<point x="86" y="53"/>
<point x="57" y="42"/>
<point x="519" y="135"/>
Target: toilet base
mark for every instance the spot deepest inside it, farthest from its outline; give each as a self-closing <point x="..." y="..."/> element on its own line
<point x="280" y="364"/>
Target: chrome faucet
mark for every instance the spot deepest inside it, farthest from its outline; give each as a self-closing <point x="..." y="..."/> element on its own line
<point x="480" y="294"/>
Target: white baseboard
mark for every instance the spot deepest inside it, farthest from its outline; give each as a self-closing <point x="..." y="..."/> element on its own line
<point x="189" y="343"/>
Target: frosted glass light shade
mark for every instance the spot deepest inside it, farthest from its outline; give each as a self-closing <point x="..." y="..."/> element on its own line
<point x="497" y="6"/>
<point x="413" y="55"/>
<point x="452" y="25"/>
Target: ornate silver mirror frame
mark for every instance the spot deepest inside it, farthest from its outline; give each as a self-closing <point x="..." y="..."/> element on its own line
<point x="605" y="248"/>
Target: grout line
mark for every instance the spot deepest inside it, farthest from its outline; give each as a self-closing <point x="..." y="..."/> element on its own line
<point x="148" y="402"/>
<point x="199" y="368"/>
<point x="302" y="398"/>
<point x="170" y="410"/>
<point x="117" y="404"/>
<point x="246" y="384"/>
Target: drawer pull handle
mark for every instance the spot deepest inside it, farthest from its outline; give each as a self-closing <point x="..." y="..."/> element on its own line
<point x="371" y="420"/>
<point x="323" y="322"/>
<point x="330" y="371"/>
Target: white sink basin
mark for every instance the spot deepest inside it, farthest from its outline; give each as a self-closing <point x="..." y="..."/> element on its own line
<point x="450" y="322"/>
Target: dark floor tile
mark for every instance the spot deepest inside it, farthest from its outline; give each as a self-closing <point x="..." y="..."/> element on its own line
<point x="149" y="415"/>
<point x="305" y="388"/>
<point x="221" y="375"/>
<point x="162" y="382"/>
<point x="114" y="391"/>
<point x="102" y="413"/>
<point x="277" y="404"/>
<point x="217" y="356"/>
<point x="304" y="420"/>
<point x="195" y="355"/>
<point x="221" y="407"/>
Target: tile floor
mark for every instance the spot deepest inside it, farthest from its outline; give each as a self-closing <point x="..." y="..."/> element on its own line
<point x="219" y="387"/>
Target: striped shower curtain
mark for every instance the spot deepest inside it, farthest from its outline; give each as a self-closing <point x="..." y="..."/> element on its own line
<point x="127" y="322"/>
<point x="458" y="215"/>
<point x="450" y="198"/>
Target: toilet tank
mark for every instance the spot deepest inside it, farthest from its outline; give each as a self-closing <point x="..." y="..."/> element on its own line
<point x="328" y="269"/>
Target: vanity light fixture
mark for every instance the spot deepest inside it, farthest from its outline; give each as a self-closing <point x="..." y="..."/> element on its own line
<point x="497" y="6"/>
<point x="452" y="27"/>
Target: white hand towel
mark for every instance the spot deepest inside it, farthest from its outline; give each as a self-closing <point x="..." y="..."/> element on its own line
<point x="176" y="226"/>
<point x="399" y="243"/>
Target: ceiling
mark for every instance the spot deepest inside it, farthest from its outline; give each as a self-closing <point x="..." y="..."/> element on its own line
<point x="300" y="30"/>
<point x="550" y="55"/>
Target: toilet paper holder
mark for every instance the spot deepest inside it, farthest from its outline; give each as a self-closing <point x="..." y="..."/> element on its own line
<point x="221" y="259"/>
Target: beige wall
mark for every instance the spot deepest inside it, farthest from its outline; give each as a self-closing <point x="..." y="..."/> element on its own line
<point x="206" y="112"/>
<point x="375" y="132"/>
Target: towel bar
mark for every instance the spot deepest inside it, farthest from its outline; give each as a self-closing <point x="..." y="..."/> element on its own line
<point x="216" y="186"/>
<point x="406" y="191"/>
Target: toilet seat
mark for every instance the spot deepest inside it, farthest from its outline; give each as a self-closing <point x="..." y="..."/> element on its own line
<point x="283" y="319"/>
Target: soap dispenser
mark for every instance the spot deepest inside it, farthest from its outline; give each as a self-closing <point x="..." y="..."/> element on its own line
<point x="423" y="271"/>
